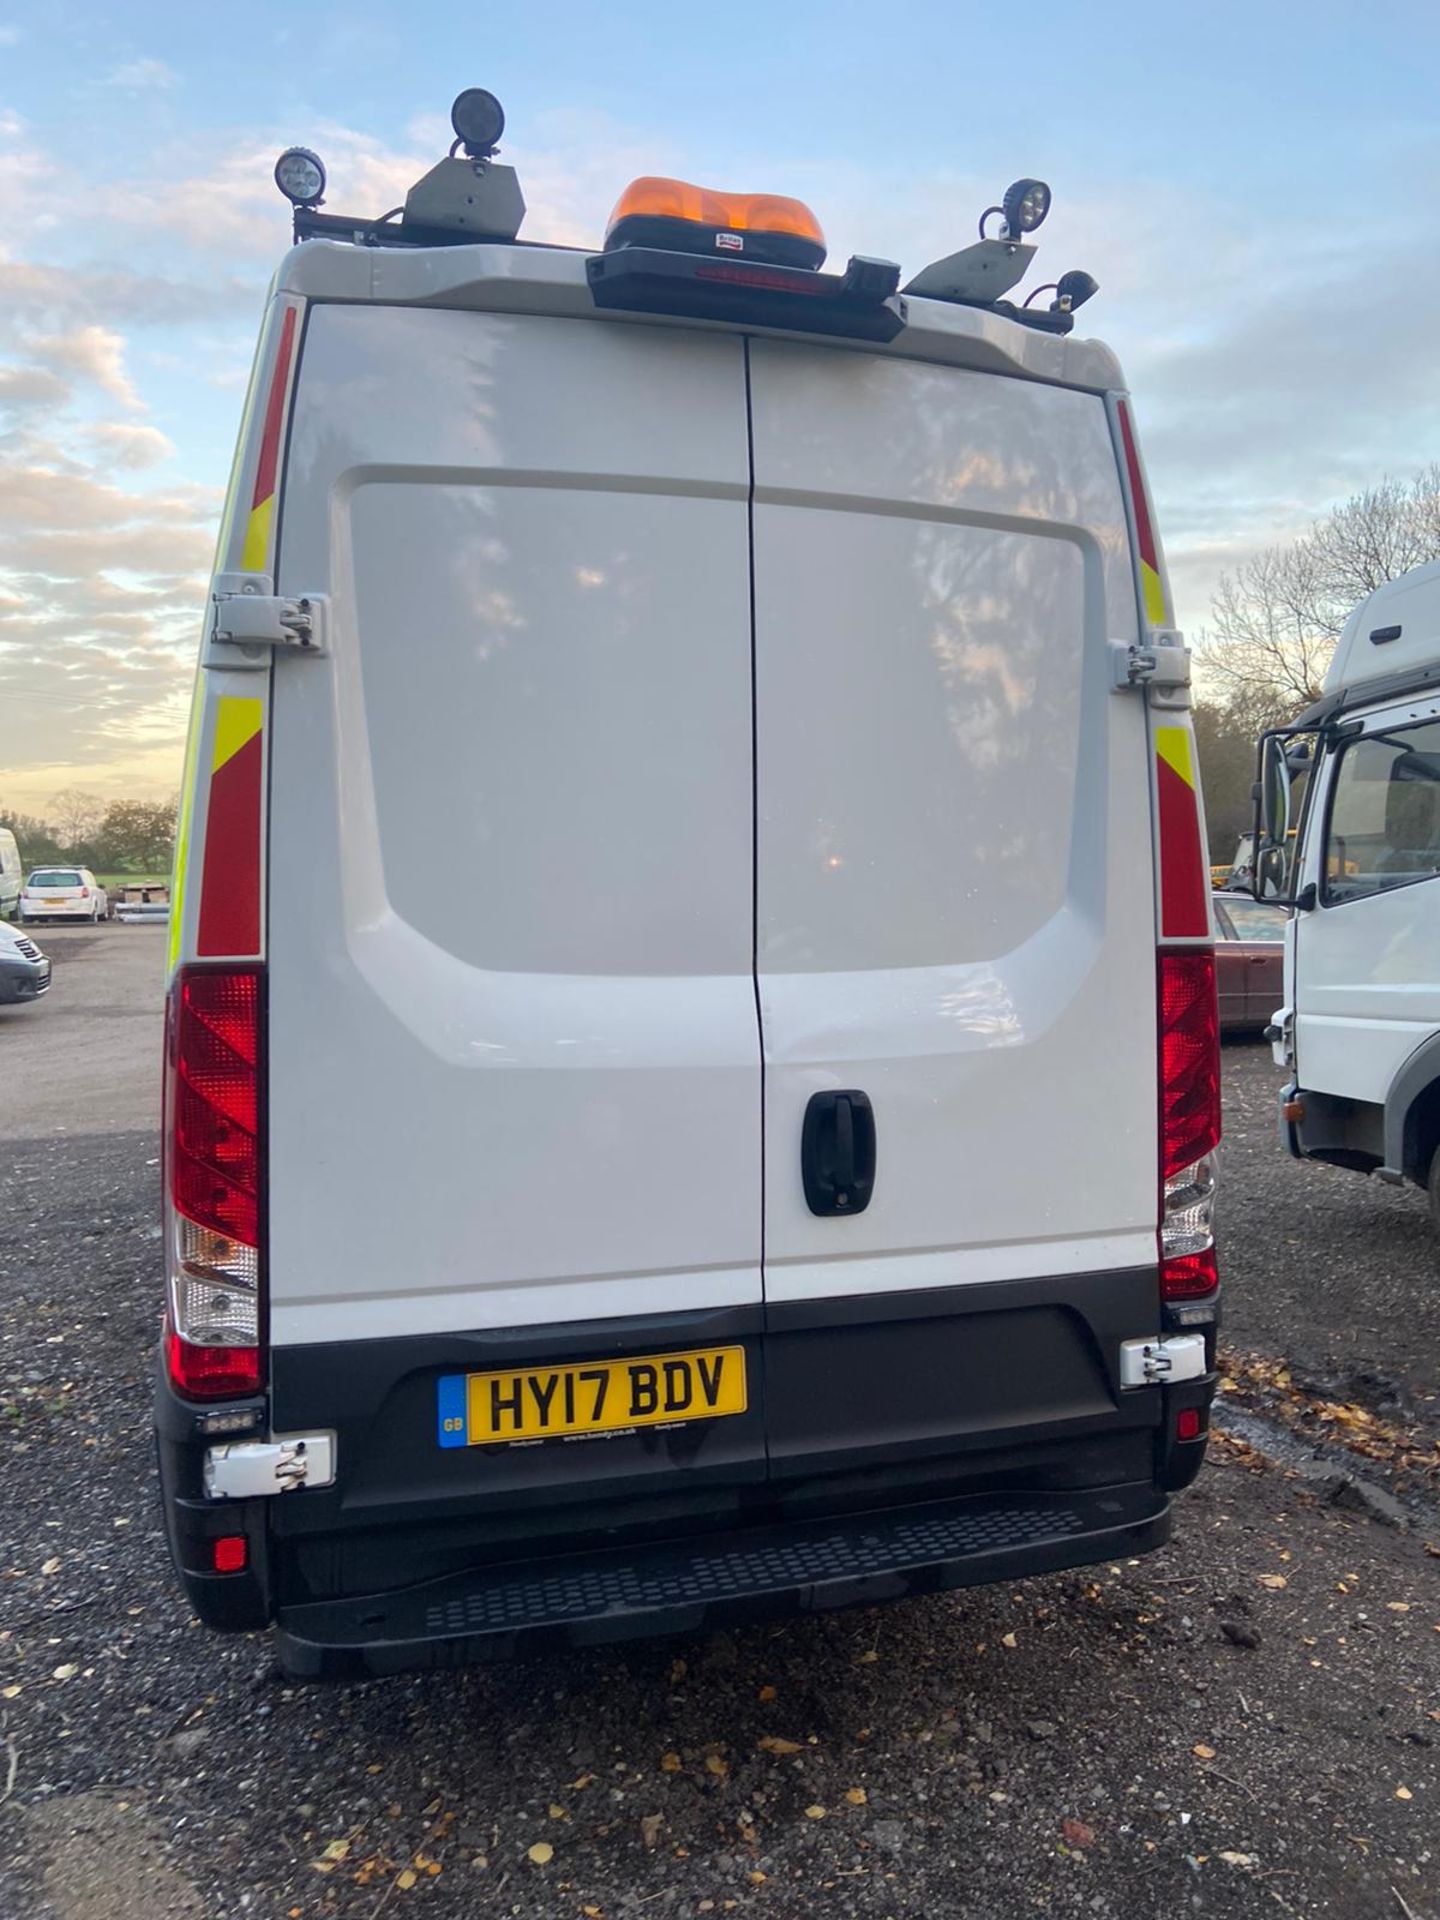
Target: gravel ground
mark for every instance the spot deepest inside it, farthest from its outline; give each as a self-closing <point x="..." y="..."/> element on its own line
<point x="1244" y="1724"/>
<point x="1335" y="1272"/>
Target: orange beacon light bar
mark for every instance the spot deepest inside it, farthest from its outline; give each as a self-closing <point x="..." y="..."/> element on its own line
<point x="672" y="214"/>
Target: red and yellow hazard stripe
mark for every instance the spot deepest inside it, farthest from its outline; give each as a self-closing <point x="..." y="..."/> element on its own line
<point x="1184" y="907"/>
<point x="259" y="528"/>
<point x="229" y="917"/>
<point x="1152" y="587"/>
<point x="223" y="803"/>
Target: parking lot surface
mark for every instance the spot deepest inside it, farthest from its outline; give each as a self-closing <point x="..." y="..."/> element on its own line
<point x="1245" y="1723"/>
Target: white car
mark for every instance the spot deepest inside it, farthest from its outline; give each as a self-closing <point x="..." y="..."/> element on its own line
<point x="62" y="893"/>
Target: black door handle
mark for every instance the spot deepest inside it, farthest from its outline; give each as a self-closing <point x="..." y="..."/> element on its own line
<point x="837" y="1152"/>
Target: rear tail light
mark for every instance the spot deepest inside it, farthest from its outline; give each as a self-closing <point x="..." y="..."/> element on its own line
<point x="1189" y="1122"/>
<point x="84" y="893"/>
<point x="212" y="1138"/>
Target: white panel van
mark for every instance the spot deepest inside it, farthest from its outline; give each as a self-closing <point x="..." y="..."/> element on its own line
<point x="692" y="1064"/>
<point x="12" y="875"/>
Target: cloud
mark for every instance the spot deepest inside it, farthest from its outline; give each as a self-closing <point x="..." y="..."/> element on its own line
<point x="141" y="76"/>
<point x="102" y="587"/>
<point x="35" y="293"/>
<point x="93" y="352"/>
<point x="32" y="387"/>
<point x="130" y="447"/>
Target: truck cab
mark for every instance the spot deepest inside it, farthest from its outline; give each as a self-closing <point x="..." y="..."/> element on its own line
<point x="1360" y="1025"/>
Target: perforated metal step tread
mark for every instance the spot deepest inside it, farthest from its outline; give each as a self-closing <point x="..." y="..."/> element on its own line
<point x="674" y="1587"/>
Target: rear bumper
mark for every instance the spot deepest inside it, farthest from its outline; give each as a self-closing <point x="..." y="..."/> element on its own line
<point x="682" y="1586"/>
<point x="891" y="1445"/>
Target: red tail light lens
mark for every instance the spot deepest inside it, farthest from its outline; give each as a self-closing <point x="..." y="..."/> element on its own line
<point x="1189" y="1122"/>
<point x="1189" y="1058"/>
<point x="211" y="1373"/>
<point x="212" y="1111"/>
<point x="1190" y="1276"/>
<point x="84" y="893"/>
<point x="215" y="1162"/>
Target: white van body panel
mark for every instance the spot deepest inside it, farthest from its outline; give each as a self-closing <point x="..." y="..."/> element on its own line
<point x="951" y="823"/>
<point x="511" y="989"/>
<point x="551" y="280"/>
<point x="1365" y="973"/>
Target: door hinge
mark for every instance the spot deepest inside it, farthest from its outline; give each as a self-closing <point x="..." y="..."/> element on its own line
<point x="249" y="623"/>
<point x="1155" y="1363"/>
<point x="1160" y="665"/>
<point x="248" y="1469"/>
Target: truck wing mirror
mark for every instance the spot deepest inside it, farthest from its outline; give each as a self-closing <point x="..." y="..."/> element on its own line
<point x="1273" y="853"/>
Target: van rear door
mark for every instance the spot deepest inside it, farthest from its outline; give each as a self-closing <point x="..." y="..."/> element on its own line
<point x="955" y="902"/>
<point x="514" y="1054"/>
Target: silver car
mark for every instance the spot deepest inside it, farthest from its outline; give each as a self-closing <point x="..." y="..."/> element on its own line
<point x="24" y="969"/>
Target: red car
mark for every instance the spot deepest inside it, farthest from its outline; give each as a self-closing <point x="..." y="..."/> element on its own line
<point x="1249" y="960"/>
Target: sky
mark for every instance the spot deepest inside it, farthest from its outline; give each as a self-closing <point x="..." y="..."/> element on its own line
<point x="1254" y="186"/>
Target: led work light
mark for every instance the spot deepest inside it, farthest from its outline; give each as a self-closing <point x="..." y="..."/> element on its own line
<point x="479" y="120"/>
<point x="1025" y="206"/>
<point x="300" y="176"/>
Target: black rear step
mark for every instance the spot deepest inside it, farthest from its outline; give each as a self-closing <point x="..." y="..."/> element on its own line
<point x="680" y="1586"/>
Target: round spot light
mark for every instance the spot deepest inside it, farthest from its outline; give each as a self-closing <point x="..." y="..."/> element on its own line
<point x="300" y="176"/>
<point x="1025" y="205"/>
<point x="479" y="120"/>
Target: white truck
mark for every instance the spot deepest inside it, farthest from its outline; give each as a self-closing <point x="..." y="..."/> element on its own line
<point x="693" y="1078"/>
<point x="1360" y="1027"/>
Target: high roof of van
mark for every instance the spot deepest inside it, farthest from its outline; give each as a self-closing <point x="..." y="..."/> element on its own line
<point x="1393" y="633"/>
<point x="499" y="278"/>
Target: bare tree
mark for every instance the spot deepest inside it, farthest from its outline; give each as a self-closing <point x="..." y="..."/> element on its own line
<point x="76" y="815"/>
<point x="1375" y="536"/>
<point x="1271" y="640"/>
<point x="1277" y="617"/>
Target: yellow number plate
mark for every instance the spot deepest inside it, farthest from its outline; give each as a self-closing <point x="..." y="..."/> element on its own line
<point x="590" y="1396"/>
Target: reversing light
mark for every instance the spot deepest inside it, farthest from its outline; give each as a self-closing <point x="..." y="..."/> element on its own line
<point x="479" y="120"/>
<point x="1025" y="206"/>
<point x="300" y="176"/>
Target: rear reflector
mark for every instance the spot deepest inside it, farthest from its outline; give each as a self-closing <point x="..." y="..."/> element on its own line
<point x="212" y="1141"/>
<point x="1188" y="1424"/>
<point x="230" y="1554"/>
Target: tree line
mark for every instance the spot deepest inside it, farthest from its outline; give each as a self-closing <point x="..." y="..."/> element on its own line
<point x="1274" y="624"/>
<point x="123" y="836"/>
